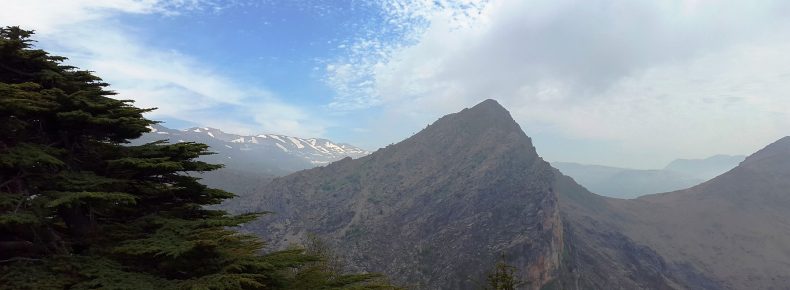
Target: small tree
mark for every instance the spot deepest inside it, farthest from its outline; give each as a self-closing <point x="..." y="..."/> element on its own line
<point x="503" y="277"/>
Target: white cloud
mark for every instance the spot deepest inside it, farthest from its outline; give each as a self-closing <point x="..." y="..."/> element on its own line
<point x="677" y="78"/>
<point x="180" y="86"/>
<point x="49" y="16"/>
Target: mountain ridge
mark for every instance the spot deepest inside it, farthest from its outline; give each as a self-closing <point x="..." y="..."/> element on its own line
<point x="706" y="168"/>
<point x="271" y="154"/>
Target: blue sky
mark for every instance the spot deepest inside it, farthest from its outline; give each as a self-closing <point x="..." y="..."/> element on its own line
<point x="277" y="46"/>
<point x="280" y="47"/>
<point x="614" y="82"/>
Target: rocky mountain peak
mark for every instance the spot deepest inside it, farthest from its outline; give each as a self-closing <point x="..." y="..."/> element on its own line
<point x="484" y="130"/>
<point x="487" y="109"/>
<point x="432" y="208"/>
<point x="481" y="118"/>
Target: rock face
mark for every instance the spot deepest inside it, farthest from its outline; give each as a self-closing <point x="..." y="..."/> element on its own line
<point x="433" y="211"/>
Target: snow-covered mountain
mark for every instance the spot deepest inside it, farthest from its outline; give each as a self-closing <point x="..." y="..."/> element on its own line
<point x="267" y="153"/>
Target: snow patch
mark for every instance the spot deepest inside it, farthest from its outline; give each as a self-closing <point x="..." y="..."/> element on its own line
<point x="296" y="142"/>
<point x="281" y="147"/>
<point x="334" y="147"/>
<point x="240" y="140"/>
<point x="162" y="133"/>
<point x="212" y="135"/>
<point x="196" y="130"/>
<point x="151" y="128"/>
<point x="253" y="140"/>
<point x="312" y="144"/>
<point x="278" y="138"/>
<point x="228" y="146"/>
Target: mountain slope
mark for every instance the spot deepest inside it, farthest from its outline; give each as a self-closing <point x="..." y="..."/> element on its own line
<point x="599" y="255"/>
<point x="433" y="210"/>
<point x="736" y="227"/>
<point x="707" y="168"/>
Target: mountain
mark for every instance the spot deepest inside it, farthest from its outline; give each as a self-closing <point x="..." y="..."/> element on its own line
<point x="435" y="211"/>
<point x="251" y="162"/>
<point x="432" y="211"/>
<point x="736" y="226"/>
<point x="625" y="182"/>
<point x="707" y="168"/>
<point x="259" y="154"/>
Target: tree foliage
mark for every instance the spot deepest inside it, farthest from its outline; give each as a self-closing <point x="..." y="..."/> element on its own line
<point x="503" y="277"/>
<point x="81" y="209"/>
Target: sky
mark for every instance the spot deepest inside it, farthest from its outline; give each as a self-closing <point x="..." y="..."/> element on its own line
<point x="632" y="83"/>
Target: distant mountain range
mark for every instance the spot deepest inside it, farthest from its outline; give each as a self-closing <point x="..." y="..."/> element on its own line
<point x="632" y="183"/>
<point x="259" y="154"/>
<point x="436" y="210"/>
<point x="252" y="161"/>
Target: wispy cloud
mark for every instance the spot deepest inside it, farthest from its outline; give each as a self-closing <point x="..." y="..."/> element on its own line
<point x="180" y="86"/>
<point x="354" y="74"/>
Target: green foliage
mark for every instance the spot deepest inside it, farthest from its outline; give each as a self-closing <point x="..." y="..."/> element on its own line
<point x="81" y="210"/>
<point x="503" y="277"/>
<point x="326" y="271"/>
